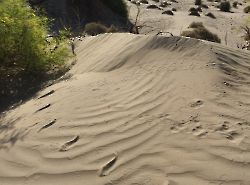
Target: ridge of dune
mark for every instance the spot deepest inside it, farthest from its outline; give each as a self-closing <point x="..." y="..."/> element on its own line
<point x="136" y="110"/>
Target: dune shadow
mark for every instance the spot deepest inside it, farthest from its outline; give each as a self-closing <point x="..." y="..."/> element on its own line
<point x="9" y="134"/>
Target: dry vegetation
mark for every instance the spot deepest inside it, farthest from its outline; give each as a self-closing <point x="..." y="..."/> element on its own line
<point x="200" y="32"/>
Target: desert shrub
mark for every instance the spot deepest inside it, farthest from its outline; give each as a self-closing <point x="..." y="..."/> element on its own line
<point x="164" y="4"/>
<point x="194" y="14"/>
<point x="200" y="32"/>
<point x="235" y="4"/>
<point x="199" y="9"/>
<point x="117" y="6"/>
<point x="94" y="28"/>
<point x="112" y="29"/>
<point x="225" y="6"/>
<point x="193" y="11"/>
<point x="247" y="9"/>
<point x="196" y="25"/>
<point x="153" y="6"/>
<point x="211" y="15"/>
<point x="198" y="2"/>
<point x="246" y="30"/>
<point x="23" y="40"/>
<point x="204" y="6"/>
<point x="144" y="1"/>
<point x="168" y="12"/>
<point x="135" y="2"/>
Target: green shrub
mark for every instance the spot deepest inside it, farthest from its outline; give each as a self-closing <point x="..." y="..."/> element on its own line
<point x="23" y="43"/>
<point x="200" y="32"/>
<point x="117" y="6"/>
<point x="225" y="6"/>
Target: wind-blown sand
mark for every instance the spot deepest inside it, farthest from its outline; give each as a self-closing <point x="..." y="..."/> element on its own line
<point x="148" y="110"/>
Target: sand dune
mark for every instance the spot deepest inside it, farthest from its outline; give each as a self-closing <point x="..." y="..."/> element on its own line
<point x="148" y="110"/>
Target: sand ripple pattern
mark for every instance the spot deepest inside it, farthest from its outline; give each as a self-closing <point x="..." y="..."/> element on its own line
<point x="137" y="110"/>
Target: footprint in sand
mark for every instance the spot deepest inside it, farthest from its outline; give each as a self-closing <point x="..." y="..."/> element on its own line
<point x="66" y="146"/>
<point x="162" y="115"/>
<point x="245" y="123"/>
<point x="169" y="182"/>
<point x="223" y="127"/>
<point x="47" y="94"/>
<point x="105" y="170"/>
<point x="47" y="125"/>
<point x="178" y="127"/>
<point x="199" y="131"/>
<point x="227" y="84"/>
<point x="44" y="107"/>
<point x="231" y="135"/>
<point x="198" y="103"/>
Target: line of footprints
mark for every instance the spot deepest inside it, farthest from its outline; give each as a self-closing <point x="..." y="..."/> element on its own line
<point x="224" y="128"/>
<point x="104" y="170"/>
<point x="66" y="145"/>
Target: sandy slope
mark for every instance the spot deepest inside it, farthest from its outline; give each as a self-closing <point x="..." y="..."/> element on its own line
<point x="137" y="110"/>
<point x="226" y="25"/>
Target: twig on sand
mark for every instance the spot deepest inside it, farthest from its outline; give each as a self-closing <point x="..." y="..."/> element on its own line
<point x="47" y="125"/>
<point x="104" y="170"/>
<point x="47" y="94"/>
<point x="161" y="32"/>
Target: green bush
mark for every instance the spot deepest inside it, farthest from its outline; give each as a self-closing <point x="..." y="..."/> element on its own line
<point x="200" y="32"/>
<point x="225" y="6"/>
<point x="23" y="43"/>
<point x="117" y="6"/>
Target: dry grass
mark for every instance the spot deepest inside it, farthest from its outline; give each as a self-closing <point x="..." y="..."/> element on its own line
<point x="200" y="32"/>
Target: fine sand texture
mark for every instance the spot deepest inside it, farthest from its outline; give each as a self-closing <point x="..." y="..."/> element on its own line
<point x="135" y="110"/>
